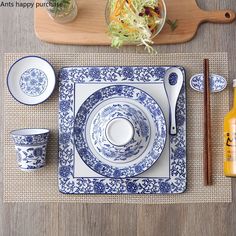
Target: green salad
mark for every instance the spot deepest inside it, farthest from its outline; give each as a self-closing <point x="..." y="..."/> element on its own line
<point x="134" y="21"/>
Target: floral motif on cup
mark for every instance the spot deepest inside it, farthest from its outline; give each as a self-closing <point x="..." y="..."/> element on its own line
<point x="25" y="140"/>
<point x="29" y="139"/>
<point x="38" y="152"/>
<point x="31" y="157"/>
<point x="33" y="82"/>
<point x="18" y="156"/>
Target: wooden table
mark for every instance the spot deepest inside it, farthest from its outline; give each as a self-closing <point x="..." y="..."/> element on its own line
<point x="17" y="35"/>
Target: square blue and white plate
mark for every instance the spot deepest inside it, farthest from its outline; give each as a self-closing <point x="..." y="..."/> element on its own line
<point x="78" y="175"/>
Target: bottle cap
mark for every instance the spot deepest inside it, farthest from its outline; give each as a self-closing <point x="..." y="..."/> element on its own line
<point x="234" y="83"/>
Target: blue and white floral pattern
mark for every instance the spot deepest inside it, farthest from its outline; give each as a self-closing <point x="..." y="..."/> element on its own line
<point x="134" y="148"/>
<point x="31" y="158"/>
<point x="128" y="72"/>
<point x="22" y="140"/>
<point x="160" y="72"/>
<point x="176" y="183"/>
<point x="217" y="83"/>
<point x="33" y="82"/>
<point x="123" y="92"/>
<point x="31" y="150"/>
<point x="173" y="78"/>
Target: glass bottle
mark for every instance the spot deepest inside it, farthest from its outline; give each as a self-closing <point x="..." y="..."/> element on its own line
<point x="62" y="11"/>
<point x="230" y="139"/>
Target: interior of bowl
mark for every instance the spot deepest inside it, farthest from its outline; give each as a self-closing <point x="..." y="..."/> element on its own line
<point x="31" y="80"/>
<point x="119" y="130"/>
<point x="162" y="7"/>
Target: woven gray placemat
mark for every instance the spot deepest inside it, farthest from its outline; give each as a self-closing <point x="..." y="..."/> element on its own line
<point x="42" y="186"/>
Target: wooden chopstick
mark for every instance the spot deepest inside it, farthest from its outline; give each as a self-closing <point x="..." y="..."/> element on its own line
<point x="207" y="155"/>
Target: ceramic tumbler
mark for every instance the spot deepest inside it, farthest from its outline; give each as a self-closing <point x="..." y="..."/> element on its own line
<point x="30" y="145"/>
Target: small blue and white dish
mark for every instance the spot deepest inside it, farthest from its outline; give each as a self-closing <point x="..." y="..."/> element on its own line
<point x="127" y="132"/>
<point x="31" y="80"/>
<point x="30" y="145"/>
<point x="120" y="131"/>
<point x="217" y="83"/>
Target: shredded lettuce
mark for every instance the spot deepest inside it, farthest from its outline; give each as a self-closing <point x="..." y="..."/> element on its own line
<point x="129" y="23"/>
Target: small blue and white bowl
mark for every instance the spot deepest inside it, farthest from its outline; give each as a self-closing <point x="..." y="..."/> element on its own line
<point x="30" y="145"/>
<point x="31" y="80"/>
<point x="120" y="132"/>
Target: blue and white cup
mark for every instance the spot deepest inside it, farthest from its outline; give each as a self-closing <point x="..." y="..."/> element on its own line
<point x="30" y="145"/>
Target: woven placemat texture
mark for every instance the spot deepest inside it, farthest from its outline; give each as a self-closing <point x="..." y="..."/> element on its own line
<point x="42" y="186"/>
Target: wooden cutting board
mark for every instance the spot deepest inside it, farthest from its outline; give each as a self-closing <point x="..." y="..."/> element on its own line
<point x="89" y="28"/>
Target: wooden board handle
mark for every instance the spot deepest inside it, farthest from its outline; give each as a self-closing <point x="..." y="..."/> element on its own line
<point x="224" y="16"/>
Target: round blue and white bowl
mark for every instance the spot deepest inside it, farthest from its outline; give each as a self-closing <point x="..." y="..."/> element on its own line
<point x="30" y="145"/>
<point x="31" y="80"/>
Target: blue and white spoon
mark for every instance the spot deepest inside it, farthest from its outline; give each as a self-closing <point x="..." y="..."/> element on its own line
<point x="173" y="82"/>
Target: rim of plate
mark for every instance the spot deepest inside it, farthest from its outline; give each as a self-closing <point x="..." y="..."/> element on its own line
<point x="115" y="168"/>
<point x="54" y="80"/>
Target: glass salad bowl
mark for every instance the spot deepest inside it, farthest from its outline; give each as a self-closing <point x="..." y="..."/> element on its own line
<point x="134" y="21"/>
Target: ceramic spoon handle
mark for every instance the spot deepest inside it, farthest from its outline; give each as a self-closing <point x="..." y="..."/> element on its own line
<point x="173" y="129"/>
<point x="173" y="83"/>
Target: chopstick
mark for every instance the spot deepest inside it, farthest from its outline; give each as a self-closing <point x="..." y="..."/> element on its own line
<point x="207" y="155"/>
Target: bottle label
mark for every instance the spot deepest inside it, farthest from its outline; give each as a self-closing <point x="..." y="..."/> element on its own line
<point x="230" y="146"/>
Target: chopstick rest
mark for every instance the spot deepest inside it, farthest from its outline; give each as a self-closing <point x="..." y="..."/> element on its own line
<point x="217" y="83"/>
